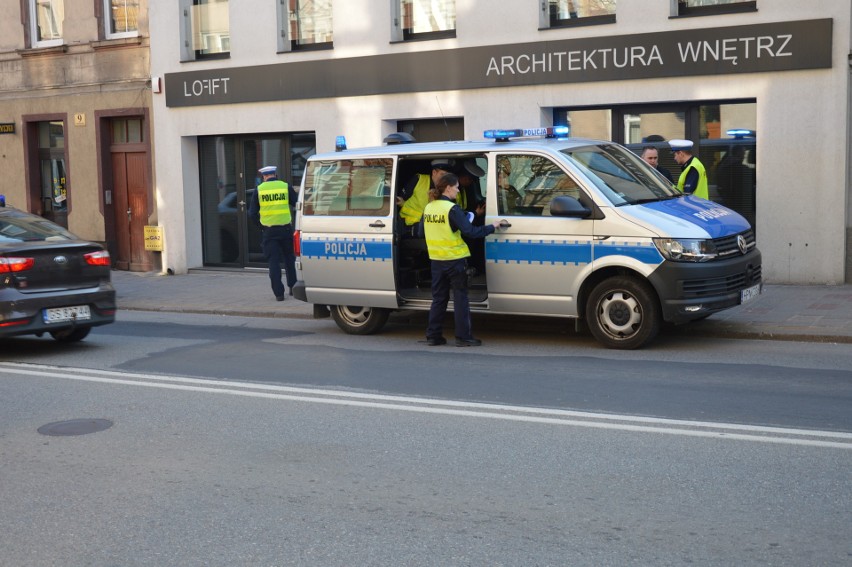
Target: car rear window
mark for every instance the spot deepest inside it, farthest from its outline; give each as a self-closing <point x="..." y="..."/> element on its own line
<point x="16" y="226"/>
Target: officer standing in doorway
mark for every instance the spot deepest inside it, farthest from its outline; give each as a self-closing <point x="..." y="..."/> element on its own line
<point x="270" y="209"/>
<point x="444" y="224"/>
<point x="693" y="177"/>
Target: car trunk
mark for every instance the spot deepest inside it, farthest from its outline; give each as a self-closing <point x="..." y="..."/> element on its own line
<point x="56" y="267"/>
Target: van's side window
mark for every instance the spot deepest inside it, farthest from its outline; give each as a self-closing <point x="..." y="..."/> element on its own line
<point x="358" y="187"/>
<point x="526" y="185"/>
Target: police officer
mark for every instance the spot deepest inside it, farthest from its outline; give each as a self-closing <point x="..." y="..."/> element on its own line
<point x="417" y="191"/>
<point x="270" y="208"/>
<point x="444" y="224"/>
<point x="693" y="177"/>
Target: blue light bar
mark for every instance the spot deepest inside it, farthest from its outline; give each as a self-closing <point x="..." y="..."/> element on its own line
<point x="504" y="135"/>
<point x="340" y="143"/>
<point x="740" y="133"/>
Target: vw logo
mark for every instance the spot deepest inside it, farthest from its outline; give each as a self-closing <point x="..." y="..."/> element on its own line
<point x="60" y="259"/>
<point x="741" y="243"/>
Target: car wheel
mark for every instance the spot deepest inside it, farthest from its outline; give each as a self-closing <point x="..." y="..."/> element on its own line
<point x="623" y="312"/>
<point x="71" y="335"/>
<point x="359" y="320"/>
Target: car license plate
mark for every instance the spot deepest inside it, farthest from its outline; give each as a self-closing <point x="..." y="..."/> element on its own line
<point x="749" y="293"/>
<point x="64" y="314"/>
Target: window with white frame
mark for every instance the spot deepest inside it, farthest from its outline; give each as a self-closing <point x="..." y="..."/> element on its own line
<point x="205" y="33"/>
<point x="710" y="7"/>
<point x="46" y="18"/>
<point x="567" y="13"/>
<point x="305" y="25"/>
<point x="121" y="18"/>
<point x="423" y="19"/>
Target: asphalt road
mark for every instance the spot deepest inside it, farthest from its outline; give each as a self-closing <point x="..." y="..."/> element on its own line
<point x="253" y="442"/>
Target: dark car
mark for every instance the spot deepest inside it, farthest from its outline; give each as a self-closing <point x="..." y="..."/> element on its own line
<point x="50" y="280"/>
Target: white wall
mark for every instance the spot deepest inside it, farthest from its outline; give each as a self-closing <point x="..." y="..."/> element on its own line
<point x="803" y="157"/>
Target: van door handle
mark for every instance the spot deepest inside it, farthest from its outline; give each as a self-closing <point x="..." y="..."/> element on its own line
<point x="377" y="224"/>
<point x="505" y="224"/>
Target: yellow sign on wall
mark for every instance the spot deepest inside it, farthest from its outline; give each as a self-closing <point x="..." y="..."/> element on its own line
<point x="154" y="238"/>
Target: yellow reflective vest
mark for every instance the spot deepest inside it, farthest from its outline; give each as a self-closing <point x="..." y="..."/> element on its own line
<point x="274" y="200"/>
<point x="703" y="189"/>
<point x="442" y="242"/>
<point x="412" y="209"/>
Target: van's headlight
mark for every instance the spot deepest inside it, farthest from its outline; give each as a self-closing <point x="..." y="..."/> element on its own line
<point x="686" y="249"/>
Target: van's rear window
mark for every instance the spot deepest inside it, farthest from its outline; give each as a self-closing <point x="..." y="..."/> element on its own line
<point x="356" y="187"/>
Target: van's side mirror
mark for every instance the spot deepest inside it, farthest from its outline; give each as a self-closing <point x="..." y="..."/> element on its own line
<point x="565" y="206"/>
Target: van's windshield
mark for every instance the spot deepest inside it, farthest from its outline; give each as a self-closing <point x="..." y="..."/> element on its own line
<point x="623" y="177"/>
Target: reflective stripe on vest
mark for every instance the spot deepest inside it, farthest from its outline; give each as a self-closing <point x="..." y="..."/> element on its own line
<point x="412" y="209"/>
<point x="702" y="190"/>
<point x="274" y="200"/>
<point x="442" y="242"/>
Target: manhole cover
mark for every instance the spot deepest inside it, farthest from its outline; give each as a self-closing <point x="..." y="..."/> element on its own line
<point x="75" y="427"/>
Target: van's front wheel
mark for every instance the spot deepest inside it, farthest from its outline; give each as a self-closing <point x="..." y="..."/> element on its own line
<point x="622" y="313"/>
<point x="356" y="320"/>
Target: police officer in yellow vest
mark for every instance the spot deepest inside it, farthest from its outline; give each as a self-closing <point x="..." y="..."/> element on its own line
<point x="270" y="208"/>
<point x="693" y="177"/>
<point x="416" y="191"/>
<point x="444" y="224"/>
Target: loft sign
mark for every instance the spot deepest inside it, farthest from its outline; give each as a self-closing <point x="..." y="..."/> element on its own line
<point x="201" y="87"/>
<point x="7" y="127"/>
<point x="755" y="48"/>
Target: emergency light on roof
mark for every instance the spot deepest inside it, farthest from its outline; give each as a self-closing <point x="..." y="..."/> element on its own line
<point x="740" y="133"/>
<point x="506" y="135"/>
<point x="340" y="143"/>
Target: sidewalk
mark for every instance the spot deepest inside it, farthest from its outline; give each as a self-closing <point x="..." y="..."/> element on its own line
<point x="817" y="313"/>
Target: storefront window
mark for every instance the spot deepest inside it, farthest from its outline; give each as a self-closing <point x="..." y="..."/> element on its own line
<point x="310" y="24"/>
<point x="206" y="33"/>
<point x="121" y="18"/>
<point x="580" y="12"/>
<point x="710" y="7"/>
<point x="46" y="19"/>
<point x="426" y="19"/>
<point x="595" y="124"/>
<point x="724" y="134"/>
<point x="728" y="149"/>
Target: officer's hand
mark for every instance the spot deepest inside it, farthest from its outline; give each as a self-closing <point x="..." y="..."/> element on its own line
<point x="497" y="223"/>
<point x="400" y="201"/>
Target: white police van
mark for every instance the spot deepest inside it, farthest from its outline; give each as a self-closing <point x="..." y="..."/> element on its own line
<point x="588" y="231"/>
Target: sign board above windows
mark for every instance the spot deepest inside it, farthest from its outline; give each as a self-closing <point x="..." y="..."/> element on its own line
<point x="774" y="47"/>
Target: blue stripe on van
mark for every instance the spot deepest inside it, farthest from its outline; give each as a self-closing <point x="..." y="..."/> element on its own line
<point x="538" y="252"/>
<point x="645" y="253"/>
<point x="347" y="249"/>
<point x="567" y="252"/>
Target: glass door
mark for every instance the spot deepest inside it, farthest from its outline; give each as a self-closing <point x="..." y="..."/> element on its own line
<point x="229" y="178"/>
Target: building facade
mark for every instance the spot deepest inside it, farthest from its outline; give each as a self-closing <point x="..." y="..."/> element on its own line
<point x="761" y="86"/>
<point x="75" y="120"/>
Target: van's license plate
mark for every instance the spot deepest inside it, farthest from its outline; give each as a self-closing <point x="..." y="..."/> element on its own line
<point x="749" y="293"/>
<point x="63" y="314"/>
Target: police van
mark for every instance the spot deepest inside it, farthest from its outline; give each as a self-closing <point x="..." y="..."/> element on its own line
<point x="588" y="231"/>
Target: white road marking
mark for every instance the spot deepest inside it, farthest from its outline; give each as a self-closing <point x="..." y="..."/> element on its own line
<point x="755" y="433"/>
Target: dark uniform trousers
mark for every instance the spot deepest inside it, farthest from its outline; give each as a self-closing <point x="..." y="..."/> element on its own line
<point x="277" y="246"/>
<point x="449" y="275"/>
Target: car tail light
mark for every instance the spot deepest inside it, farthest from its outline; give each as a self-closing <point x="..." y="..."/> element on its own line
<point x="100" y="258"/>
<point x="297" y="243"/>
<point x="8" y="265"/>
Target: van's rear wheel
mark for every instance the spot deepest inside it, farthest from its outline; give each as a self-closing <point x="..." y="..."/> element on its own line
<point x="356" y="320"/>
<point x="622" y="312"/>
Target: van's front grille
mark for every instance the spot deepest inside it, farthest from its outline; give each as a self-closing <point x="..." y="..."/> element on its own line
<point x="727" y="245"/>
<point x="722" y="285"/>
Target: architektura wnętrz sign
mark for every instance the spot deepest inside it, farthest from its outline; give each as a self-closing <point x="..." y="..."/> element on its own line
<point x="781" y="46"/>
